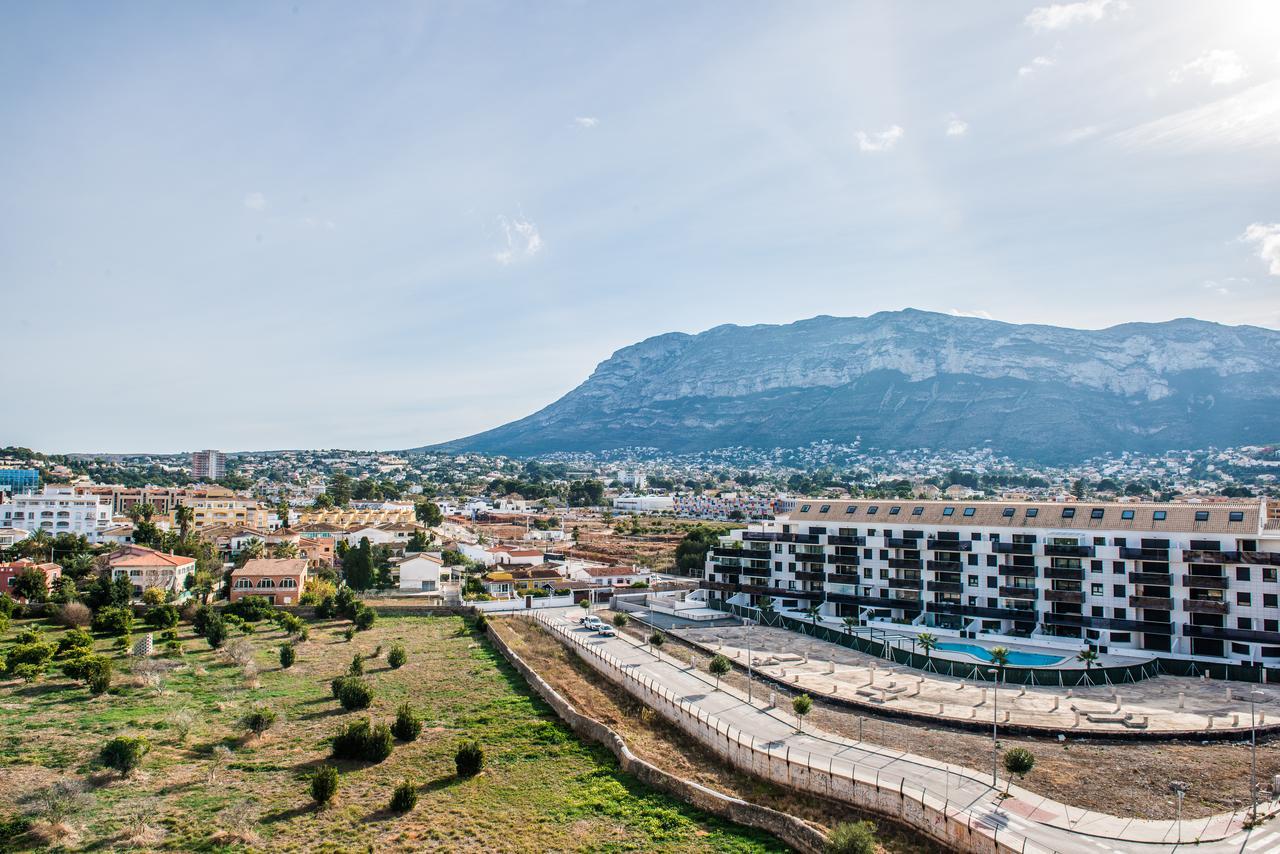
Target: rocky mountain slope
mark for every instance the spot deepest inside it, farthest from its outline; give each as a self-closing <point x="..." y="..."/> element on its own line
<point x="911" y="379"/>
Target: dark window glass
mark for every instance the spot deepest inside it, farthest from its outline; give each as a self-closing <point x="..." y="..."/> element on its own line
<point x="825" y="508"/>
<point x="1008" y="511"/>
<point x="1097" y="513"/>
<point x="1235" y="516"/>
<point x="1159" y="515"/>
<point x="1033" y="512"/>
<point x="1202" y="515"/>
<point x="1126" y="514"/>
<point x="948" y="511"/>
<point x="916" y="511"/>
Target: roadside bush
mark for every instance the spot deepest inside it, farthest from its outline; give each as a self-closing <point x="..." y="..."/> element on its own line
<point x="124" y="753"/>
<point x="28" y="655"/>
<point x="469" y="759"/>
<point x="252" y="608"/>
<point x="621" y="620"/>
<point x="852" y="837"/>
<point x="481" y="623"/>
<point x="163" y="616"/>
<point x="324" y="784"/>
<point x="260" y="720"/>
<point x="215" y="630"/>
<point x="75" y="615"/>
<point x="397" y="657"/>
<point x="656" y="640"/>
<point x="355" y="694"/>
<point x="7" y="604"/>
<point x="74" y="643"/>
<point x="327" y="608"/>
<point x="357" y="666"/>
<point x="116" y="620"/>
<point x="359" y="740"/>
<point x="288" y="655"/>
<point x="407" y="726"/>
<point x="405" y="797"/>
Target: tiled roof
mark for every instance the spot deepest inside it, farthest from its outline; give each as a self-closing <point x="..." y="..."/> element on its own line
<point x="272" y="566"/>
<point x="142" y="556"/>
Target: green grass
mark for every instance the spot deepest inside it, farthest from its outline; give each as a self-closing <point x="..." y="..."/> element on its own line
<point x="542" y="789"/>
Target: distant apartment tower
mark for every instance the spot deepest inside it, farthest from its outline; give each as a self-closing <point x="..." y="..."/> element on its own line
<point x="209" y="465"/>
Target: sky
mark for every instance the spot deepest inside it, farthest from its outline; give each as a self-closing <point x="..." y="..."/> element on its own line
<point x="250" y="225"/>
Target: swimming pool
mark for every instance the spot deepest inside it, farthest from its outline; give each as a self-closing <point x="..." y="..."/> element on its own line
<point x="1016" y="657"/>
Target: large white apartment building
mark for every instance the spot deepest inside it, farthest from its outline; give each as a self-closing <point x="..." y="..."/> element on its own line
<point x="57" y="510"/>
<point x="1172" y="580"/>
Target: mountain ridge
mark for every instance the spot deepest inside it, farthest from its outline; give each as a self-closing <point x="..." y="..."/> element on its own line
<point x="914" y="378"/>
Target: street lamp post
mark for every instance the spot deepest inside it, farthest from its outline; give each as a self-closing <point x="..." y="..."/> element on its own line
<point x="1254" y="696"/>
<point x="995" y="711"/>
<point x="1179" y="791"/>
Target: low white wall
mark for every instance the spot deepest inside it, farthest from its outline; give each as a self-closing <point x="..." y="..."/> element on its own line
<point x="518" y="604"/>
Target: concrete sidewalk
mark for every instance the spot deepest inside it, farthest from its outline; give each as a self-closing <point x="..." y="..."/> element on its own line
<point x="1039" y="824"/>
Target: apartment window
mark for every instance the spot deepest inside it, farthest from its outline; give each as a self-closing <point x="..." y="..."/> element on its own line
<point x="1159" y="515"/>
<point x="1095" y="589"/>
<point x="1007" y="512"/>
<point x="1099" y="541"/>
<point x="1096" y="513"/>
<point x="1117" y="566"/>
<point x="1118" y="591"/>
<point x="1120" y="613"/>
<point x="1244" y="598"/>
<point x="991" y="581"/>
<point x="1271" y="625"/>
<point x="1126" y="514"/>
<point x="866" y="553"/>
<point x="968" y="511"/>
<point x="1202" y="515"/>
<point x="1245" y="623"/>
<point x="1242" y="573"/>
<point x="948" y="511"/>
<point x="1033" y="512"/>
<point x="991" y="559"/>
<point x="1235" y="516"/>
<point x="884" y="574"/>
<point x="825" y="508"/>
<point x="1268" y="600"/>
<point x="1120" y="637"/>
<point x="1068" y="512"/>
<point x="973" y="581"/>
<point x="804" y="508"/>
<point x="852" y="508"/>
<point x="917" y="511"/>
<point x="1268" y="573"/>
<point x="1095" y="566"/>
<point x="884" y="554"/>
<point x="1240" y="648"/>
<point x="895" y="510"/>
<point x="871" y="511"/>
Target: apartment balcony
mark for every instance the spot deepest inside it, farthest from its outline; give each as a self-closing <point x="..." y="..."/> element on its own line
<point x="1018" y="592"/>
<point x="1239" y="635"/>
<point x="944" y="566"/>
<point x="1052" y="550"/>
<point x="843" y="560"/>
<point x="1071" y="597"/>
<point x="949" y="545"/>
<point x="901" y="543"/>
<point x="1205" y="606"/>
<point x="808" y="557"/>
<point x="875" y="601"/>
<point x="1109" y="623"/>
<point x="1163" y="579"/>
<point x="1208" y="556"/>
<point x="835" y="540"/>
<point x="770" y="536"/>
<point x="1013" y="548"/>
<point x="1160" y="603"/>
<point x="837" y="578"/>
<point x="726" y="569"/>
<point x="981" y="611"/>
<point x="944" y="586"/>
<point x="1064" y="574"/>
<point x="727" y="551"/>
<point x="906" y="583"/>
<point x="905" y="563"/>
<point x="1206" y="582"/>
<point x="1158" y="555"/>
<point x="805" y="575"/>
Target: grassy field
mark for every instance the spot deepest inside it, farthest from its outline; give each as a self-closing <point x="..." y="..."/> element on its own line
<point x="541" y="790"/>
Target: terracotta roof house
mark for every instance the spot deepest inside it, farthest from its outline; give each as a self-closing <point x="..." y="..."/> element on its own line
<point x="279" y="581"/>
<point x="9" y="572"/>
<point x="146" y="567"/>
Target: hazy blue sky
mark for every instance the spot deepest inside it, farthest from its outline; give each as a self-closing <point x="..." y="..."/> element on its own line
<point x="263" y="225"/>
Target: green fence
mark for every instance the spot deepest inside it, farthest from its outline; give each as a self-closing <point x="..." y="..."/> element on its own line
<point x="1065" y="677"/>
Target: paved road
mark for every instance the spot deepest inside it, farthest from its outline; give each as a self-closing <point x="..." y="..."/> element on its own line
<point x="1024" y="819"/>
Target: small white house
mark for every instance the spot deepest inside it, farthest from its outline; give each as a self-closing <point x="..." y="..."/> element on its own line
<point x="420" y="573"/>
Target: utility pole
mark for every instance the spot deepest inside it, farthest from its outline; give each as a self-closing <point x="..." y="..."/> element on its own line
<point x="995" y="709"/>
<point x="1179" y="790"/>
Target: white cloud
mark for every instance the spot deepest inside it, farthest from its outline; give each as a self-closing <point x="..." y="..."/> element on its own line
<point x="1248" y="119"/>
<point x="255" y="202"/>
<point x="522" y="240"/>
<point x="1059" y="16"/>
<point x="879" y="141"/>
<point x="955" y="312"/>
<point x="586" y="121"/>
<point x="1267" y="238"/>
<point x="1222" y="67"/>
<point x="1218" y="288"/>
<point x="1035" y="65"/>
<point x="957" y="127"/>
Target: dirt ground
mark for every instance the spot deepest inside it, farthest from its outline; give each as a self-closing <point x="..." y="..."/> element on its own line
<point x="652" y="739"/>
<point x="1120" y="778"/>
<point x="614" y="541"/>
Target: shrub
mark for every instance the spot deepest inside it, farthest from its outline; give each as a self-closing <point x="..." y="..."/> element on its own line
<point x="405" y="797"/>
<point x="124" y="753"/>
<point x="359" y="740"/>
<point x="327" y="608"/>
<point x="364" y="618"/>
<point x="200" y="619"/>
<point x="719" y="666"/>
<point x="252" y="608"/>
<point x="75" y="615"/>
<point x="75" y="643"/>
<point x="407" y="726"/>
<point x="482" y="622"/>
<point x="335" y="685"/>
<point x="154" y="596"/>
<point x="215" y="630"/>
<point x="1018" y="761"/>
<point x="4" y="624"/>
<point x="657" y="640"/>
<point x="324" y="784"/>
<point x="99" y="678"/>
<point x="163" y="616"/>
<point x="260" y="720"/>
<point x="7" y="604"/>
<point x="345" y="602"/>
<point x="397" y="657"/>
<point x="28" y="672"/>
<point x="288" y="655"/>
<point x="357" y="666"/>
<point x="290" y="623"/>
<point x="114" y="620"/>
<point x="189" y="611"/>
<point x="349" y="633"/>
<point x="355" y="694"/>
<point x="30" y="634"/>
<point x="621" y="620"/>
<point x="86" y="666"/>
<point x="31" y="655"/>
<point x="469" y="759"/>
<point x="852" y="837"/>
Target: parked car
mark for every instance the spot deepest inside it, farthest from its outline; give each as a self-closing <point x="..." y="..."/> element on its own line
<point x="606" y="631"/>
<point x="591" y="622"/>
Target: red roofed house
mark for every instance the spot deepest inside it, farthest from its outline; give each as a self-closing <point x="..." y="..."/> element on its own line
<point x="10" y="571"/>
<point x="279" y="581"/>
<point x="146" y="567"/>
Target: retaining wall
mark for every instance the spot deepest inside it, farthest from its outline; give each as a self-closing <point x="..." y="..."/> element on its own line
<point x="791" y="830"/>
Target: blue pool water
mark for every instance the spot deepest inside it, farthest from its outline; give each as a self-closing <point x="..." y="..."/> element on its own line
<point x="1016" y="658"/>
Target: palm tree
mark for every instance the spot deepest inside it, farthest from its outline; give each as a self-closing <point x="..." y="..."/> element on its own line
<point x="1000" y="658"/>
<point x="284" y="550"/>
<point x="850" y="623"/>
<point x="813" y="612"/>
<point x="928" y="642"/>
<point x="184" y="516"/>
<point x="1088" y="657"/>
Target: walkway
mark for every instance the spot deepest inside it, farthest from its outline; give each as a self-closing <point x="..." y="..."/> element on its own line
<point x="1023" y="821"/>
